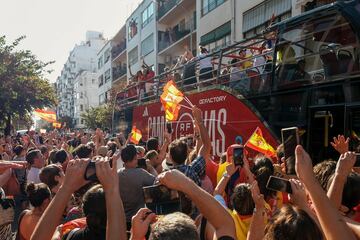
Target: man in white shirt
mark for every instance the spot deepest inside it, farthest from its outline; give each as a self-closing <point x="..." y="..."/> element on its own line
<point x="36" y="161"/>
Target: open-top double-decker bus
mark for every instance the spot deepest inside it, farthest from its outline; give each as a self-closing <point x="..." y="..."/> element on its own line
<point x="304" y="72"/>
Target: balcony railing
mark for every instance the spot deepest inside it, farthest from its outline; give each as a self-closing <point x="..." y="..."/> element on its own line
<point x="118" y="72"/>
<point x="166" y="7"/>
<point x="173" y="35"/>
<point x="116" y="50"/>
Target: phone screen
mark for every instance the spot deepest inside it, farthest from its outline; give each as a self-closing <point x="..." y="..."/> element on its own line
<point x="238" y="156"/>
<point x="290" y="139"/>
<point x="279" y="184"/>
<point x="168" y="127"/>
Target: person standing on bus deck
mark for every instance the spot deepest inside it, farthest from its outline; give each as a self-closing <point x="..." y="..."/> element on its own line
<point x="205" y="65"/>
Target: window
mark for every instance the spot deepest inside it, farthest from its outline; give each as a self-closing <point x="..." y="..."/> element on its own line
<point x="100" y="62"/>
<point x="147" y="14"/>
<point x="107" y="75"/>
<point x="133" y="56"/>
<point x="81" y="95"/>
<point x="132" y="28"/>
<point x="101" y="80"/>
<point x="101" y="98"/>
<point x="218" y="38"/>
<point x="93" y="81"/>
<point x="107" y="55"/>
<point x="81" y="108"/>
<point x="147" y="46"/>
<point x="320" y="49"/>
<point x="81" y="84"/>
<point x="82" y="121"/>
<point x="209" y="5"/>
<point x="258" y="18"/>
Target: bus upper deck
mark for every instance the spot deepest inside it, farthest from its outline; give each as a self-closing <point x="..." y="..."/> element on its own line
<point x="318" y="47"/>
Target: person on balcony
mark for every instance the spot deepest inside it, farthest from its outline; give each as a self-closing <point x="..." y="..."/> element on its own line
<point x="205" y="66"/>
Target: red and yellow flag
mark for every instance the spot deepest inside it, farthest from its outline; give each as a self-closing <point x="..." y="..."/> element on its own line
<point x="48" y="116"/>
<point x="170" y="100"/>
<point x="136" y="135"/>
<point x="258" y="143"/>
<point x="56" y="125"/>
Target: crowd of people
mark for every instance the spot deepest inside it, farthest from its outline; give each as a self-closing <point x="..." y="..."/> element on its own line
<point x="81" y="185"/>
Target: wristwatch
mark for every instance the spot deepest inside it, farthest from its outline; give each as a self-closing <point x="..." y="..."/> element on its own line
<point x="226" y="175"/>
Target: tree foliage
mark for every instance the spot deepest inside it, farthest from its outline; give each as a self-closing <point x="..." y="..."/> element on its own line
<point x="98" y="117"/>
<point x="23" y="86"/>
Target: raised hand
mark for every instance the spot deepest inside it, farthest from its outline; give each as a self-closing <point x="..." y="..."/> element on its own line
<point x="340" y="144"/>
<point x="298" y="196"/>
<point x="231" y="169"/>
<point x="140" y="223"/>
<point x="345" y="164"/>
<point x="107" y="175"/>
<point x="74" y="177"/>
<point x="257" y="196"/>
<point x="197" y="114"/>
<point x="303" y="165"/>
<point x="173" y="179"/>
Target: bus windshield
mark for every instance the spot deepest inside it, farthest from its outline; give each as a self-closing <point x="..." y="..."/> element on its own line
<point x="320" y="49"/>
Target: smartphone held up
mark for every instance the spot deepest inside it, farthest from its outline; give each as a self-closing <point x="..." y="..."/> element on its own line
<point x="290" y="139"/>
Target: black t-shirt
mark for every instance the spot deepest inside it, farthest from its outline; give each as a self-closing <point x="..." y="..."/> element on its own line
<point x="225" y="238"/>
<point x="85" y="234"/>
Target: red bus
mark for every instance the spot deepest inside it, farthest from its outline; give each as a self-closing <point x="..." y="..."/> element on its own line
<point x="304" y="72"/>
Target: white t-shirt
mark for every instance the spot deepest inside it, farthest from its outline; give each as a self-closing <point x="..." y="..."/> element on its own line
<point x="204" y="62"/>
<point x="33" y="175"/>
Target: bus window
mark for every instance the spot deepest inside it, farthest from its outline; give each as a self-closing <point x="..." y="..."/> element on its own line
<point x="320" y="49"/>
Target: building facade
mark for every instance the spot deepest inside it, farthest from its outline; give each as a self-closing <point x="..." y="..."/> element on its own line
<point x="104" y="73"/>
<point x="81" y="58"/>
<point x="85" y="92"/>
<point x="119" y="60"/>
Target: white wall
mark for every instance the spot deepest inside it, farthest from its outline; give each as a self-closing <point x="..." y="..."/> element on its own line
<point x="106" y="66"/>
<point x="142" y="34"/>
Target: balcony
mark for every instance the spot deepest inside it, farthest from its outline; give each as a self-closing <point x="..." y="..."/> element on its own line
<point x="173" y="9"/>
<point x="166" y="7"/>
<point x="119" y="72"/>
<point x="174" y="35"/>
<point x="118" y="50"/>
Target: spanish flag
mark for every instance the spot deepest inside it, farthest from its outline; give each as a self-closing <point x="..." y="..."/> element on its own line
<point x="48" y="116"/>
<point x="56" y="125"/>
<point x="259" y="144"/>
<point x="136" y="135"/>
<point x="170" y="100"/>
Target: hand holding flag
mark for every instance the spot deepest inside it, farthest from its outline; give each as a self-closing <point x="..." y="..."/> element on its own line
<point x="171" y="99"/>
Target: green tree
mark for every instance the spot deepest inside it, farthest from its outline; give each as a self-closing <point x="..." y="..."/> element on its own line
<point x="23" y="86"/>
<point x="98" y="117"/>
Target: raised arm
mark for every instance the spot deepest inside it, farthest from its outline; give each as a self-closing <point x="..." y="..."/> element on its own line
<point x="206" y="147"/>
<point x="220" y="187"/>
<point x="216" y="214"/>
<point x="116" y="225"/>
<point x="164" y="147"/>
<point x="257" y="226"/>
<point x="343" y="168"/>
<point x="51" y="218"/>
<point x="332" y="224"/>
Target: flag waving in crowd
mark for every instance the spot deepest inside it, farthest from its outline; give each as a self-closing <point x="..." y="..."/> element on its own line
<point x="135" y="135"/>
<point x="258" y="143"/>
<point x="171" y="99"/>
<point x="48" y="116"/>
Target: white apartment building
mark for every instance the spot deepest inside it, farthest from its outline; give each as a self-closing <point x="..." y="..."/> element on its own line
<point x="85" y="95"/>
<point x="104" y="73"/>
<point x="177" y="30"/>
<point x="81" y="58"/>
<point x="119" y="60"/>
<point x="142" y="37"/>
